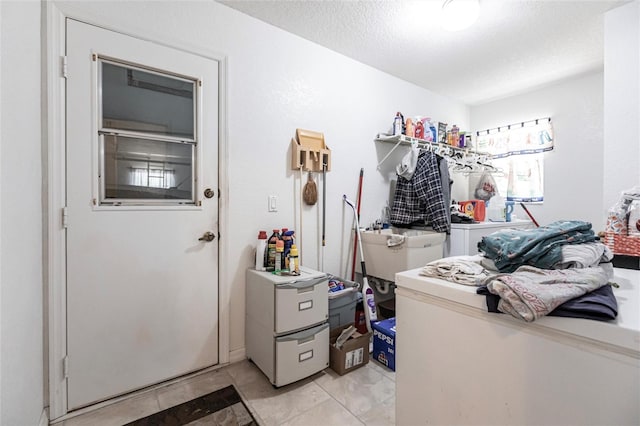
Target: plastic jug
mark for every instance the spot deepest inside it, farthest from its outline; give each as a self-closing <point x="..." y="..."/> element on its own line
<point x="496" y="211"/>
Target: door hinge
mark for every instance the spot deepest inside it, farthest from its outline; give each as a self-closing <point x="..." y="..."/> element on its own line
<point x="65" y="367"/>
<point x="65" y="217"/>
<point x="219" y="193"/>
<point x="64" y="66"/>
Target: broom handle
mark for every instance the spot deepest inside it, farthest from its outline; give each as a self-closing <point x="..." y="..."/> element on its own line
<point x="324" y="203"/>
<point x="530" y="215"/>
<point x="355" y="239"/>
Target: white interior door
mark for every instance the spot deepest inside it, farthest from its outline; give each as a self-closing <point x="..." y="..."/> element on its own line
<point x="142" y="149"/>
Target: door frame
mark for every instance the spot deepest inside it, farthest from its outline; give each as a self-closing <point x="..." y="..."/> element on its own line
<point x="54" y="198"/>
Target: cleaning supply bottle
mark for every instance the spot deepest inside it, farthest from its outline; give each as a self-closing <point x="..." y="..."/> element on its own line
<point x="429" y="130"/>
<point x="287" y="237"/>
<point x="294" y="264"/>
<point x="455" y="136"/>
<point x="398" y="124"/>
<point x="419" y="131"/>
<point x="260" y="251"/>
<point x="279" y="258"/>
<point x="270" y="253"/>
<point x="369" y="301"/>
<point x="409" y="128"/>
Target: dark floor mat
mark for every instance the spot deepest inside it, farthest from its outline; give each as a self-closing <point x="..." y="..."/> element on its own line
<point x="222" y="407"/>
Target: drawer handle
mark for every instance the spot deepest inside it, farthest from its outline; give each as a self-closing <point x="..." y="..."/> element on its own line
<point x="304" y="284"/>
<point x="304" y="356"/>
<point x="307" y="304"/>
<point x="306" y="340"/>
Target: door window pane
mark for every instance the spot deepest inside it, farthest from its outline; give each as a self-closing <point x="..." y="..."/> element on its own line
<point x="146" y="101"/>
<point x="145" y="169"/>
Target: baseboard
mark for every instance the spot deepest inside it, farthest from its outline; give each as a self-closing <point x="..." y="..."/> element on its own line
<point x="44" y="418"/>
<point x="237" y="355"/>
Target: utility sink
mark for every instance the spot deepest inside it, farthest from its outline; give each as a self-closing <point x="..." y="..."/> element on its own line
<point x="392" y="250"/>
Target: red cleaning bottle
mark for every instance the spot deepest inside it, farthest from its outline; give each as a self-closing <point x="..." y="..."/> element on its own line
<point x="419" y="130"/>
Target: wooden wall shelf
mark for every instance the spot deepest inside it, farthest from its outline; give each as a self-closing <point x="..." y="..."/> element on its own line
<point x="309" y="151"/>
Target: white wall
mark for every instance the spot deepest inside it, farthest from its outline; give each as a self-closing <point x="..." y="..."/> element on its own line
<point x="21" y="313"/>
<point x="621" y="101"/>
<point x="574" y="168"/>
<point x="278" y="82"/>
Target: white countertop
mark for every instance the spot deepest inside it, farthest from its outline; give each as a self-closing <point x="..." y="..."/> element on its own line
<point x="624" y="331"/>
<point x="488" y="224"/>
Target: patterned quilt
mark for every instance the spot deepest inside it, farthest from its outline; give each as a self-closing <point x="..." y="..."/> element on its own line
<point x="540" y="247"/>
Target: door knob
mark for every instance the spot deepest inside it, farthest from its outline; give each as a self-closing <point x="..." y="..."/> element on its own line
<point x="207" y="237"/>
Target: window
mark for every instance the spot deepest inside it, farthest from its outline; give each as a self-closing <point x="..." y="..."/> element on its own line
<point x="518" y="152"/>
<point x="147" y="134"/>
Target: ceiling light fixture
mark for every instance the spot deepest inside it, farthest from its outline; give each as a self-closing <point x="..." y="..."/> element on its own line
<point x="459" y="14"/>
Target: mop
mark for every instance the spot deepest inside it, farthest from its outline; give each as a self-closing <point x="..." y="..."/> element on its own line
<point x="367" y="292"/>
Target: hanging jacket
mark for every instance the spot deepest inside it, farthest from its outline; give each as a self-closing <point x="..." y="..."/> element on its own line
<point x="421" y="200"/>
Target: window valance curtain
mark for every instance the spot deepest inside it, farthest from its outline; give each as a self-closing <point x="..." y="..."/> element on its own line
<point x="517" y="150"/>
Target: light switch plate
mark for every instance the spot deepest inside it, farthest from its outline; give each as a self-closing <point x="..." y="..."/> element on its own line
<point x="273" y="203"/>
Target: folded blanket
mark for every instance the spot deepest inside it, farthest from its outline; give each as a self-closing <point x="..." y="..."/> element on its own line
<point x="584" y="255"/>
<point x="489" y="264"/>
<point x="600" y="304"/>
<point x="459" y="269"/>
<point x="542" y="247"/>
<point x="530" y="293"/>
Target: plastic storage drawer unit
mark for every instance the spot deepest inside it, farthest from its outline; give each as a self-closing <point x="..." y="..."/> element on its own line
<point x="286" y="327"/>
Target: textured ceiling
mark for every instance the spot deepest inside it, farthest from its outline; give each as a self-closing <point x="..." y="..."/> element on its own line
<point x="515" y="46"/>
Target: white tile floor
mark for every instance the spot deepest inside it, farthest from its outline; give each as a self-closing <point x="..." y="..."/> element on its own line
<point x="365" y="396"/>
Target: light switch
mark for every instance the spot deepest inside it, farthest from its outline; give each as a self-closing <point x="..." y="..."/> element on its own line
<point x="273" y="203"/>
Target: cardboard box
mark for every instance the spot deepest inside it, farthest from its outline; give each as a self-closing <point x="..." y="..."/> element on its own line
<point x="384" y="342"/>
<point x="353" y="354"/>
